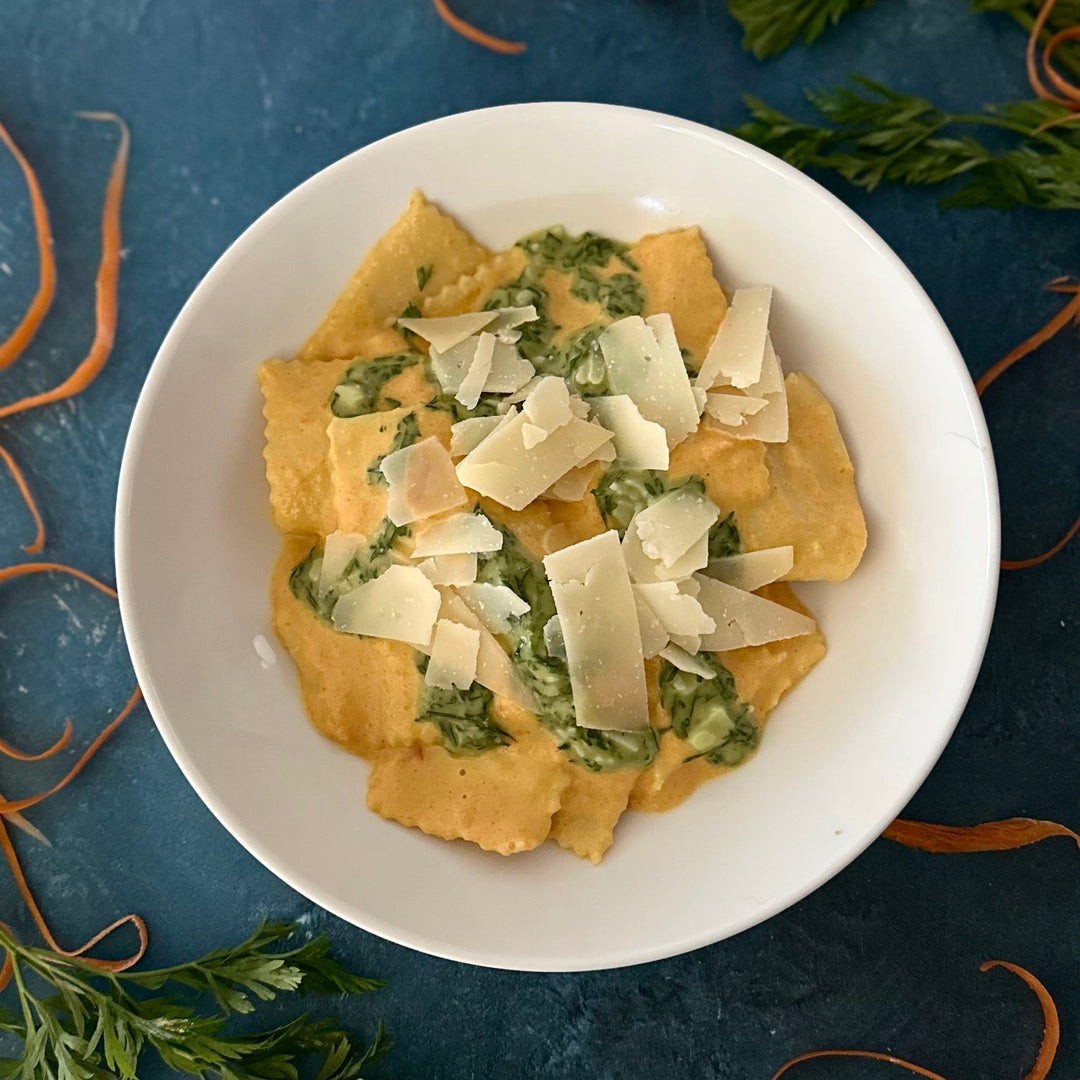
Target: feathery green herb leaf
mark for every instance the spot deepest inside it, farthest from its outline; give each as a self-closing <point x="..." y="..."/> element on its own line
<point x="770" y="26"/>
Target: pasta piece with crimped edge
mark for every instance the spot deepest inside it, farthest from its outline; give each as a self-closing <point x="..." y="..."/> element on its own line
<point x="469" y="291"/>
<point x="501" y="800"/>
<point x="678" y="277"/>
<point x="801" y="492"/>
<point x="360" y="692"/>
<point x="420" y="254"/>
<point x="356" y="445"/>
<point x="591" y="807"/>
<point x="763" y="674"/>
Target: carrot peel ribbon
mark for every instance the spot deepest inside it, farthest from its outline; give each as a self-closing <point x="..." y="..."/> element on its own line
<point x="11" y="349"/>
<point x="1005" y="835"/>
<point x="476" y="36"/>
<point x="35" y="545"/>
<point x="918" y="1070"/>
<point x="1068" y="94"/>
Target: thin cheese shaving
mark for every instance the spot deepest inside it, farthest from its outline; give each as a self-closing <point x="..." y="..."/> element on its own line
<point x="458" y="534"/>
<point x="770" y="424"/>
<point x="745" y="619"/>
<point x="421" y="482"/>
<point x="598" y="614"/>
<point x="548" y="406"/>
<point x="644" y="569"/>
<point x="641" y="443"/>
<point x="339" y="548"/>
<point x="752" y="569"/>
<point x="494" y="605"/>
<point x="733" y="409"/>
<point x="670" y="526"/>
<point x="471" y="387"/>
<point x="554" y="642"/>
<point x="679" y="613"/>
<point x="653" y="635"/>
<point x="738" y="349"/>
<point x="450" y="569"/>
<point x="466" y="435"/>
<point x="684" y="661"/>
<point x="454" y="651"/>
<point x="444" y="333"/>
<point x="400" y="604"/>
<point x="572" y="486"/>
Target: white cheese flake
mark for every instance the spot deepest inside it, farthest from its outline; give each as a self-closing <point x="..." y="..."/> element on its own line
<point x="745" y="619"/>
<point x="466" y="435"/>
<point x="458" y="534"/>
<point x="670" y="526"/>
<point x="446" y="332"/>
<point x="450" y="569"/>
<point x="733" y="409"/>
<point x="653" y="635"/>
<point x="644" y="569"/>
<point x="400" y="604"/>
<point x="421" y="482"/>
<point x="641" y="443"/>
<point x="508" y="371"/>
<point x="265" y="651"/>
<point x="494" y="605"/>
<point x="572" y="486"/>
<point x="531" y="435"/>
<point x="548" y="406"/>
<point x="738" y="348"/>
<point x="643" y="361"/>
<point x="752" y="569"/>
<point x="510" y="318"/>
<point x="454" y="652"/>
<point x="339" y="548"/>
<point x="470" y="388"/>
<point x="679" y="613"/>
<point x="554" y="642"/>
<point x="504" y="469"/>
<point x="770" y="424"/>
<point x="685" y="661"/>
<point x="598" y="614"/>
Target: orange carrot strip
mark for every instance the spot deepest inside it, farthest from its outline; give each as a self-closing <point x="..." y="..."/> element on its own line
<point x="46" y="933"/>
<point x="7" y="970"/>
<point x="1003" y="835"/>
<point x="8" y="573"/>
<point x="918" y="1070"/>
<point x="107" y="277"/>
<point x="28" y="827"/>
<point x="9" y="751"/>
<point x="477" y="37"/>
<point x="24" y="490"/>
<point x="1051" y="1023"/>
<point x="1068" y="89"/>
<point x="9" y="805"/>
<point x="1023" y="564"/>
<point x="23" y="334"/>
<point x="1029" y="56"/>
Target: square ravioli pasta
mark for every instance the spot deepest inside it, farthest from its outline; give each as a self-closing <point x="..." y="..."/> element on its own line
<point x="439" y="644"/>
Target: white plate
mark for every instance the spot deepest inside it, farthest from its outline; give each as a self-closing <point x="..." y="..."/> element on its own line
<point x="841" y="756"/>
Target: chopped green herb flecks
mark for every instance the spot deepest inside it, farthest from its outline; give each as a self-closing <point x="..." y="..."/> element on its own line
<point x="462" y="717"/>
<point x="536" y="336"/>
<point x="411" y="312"/>
<point x="358" y="392"/>
<point x="707" y="713"/>
<point x="408" y="431"/>
<point x="724" y="538"/>
<point x="423" y="276"/>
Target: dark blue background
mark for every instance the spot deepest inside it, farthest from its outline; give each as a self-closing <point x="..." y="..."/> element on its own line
<point x="233" y="102"/>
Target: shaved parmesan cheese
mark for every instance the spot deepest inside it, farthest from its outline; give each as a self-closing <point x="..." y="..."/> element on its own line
<point x="421" y="482"/>
<point x="752" y="569"/>
<point x="523" y="392"/>
<point x="772" y="378"/>
<point x="701" y="399"/>
<point x="445" y="333"/>
<point x="494" y="605"/>
<point x="339" y="548"/>
<point x="579" y="407"/>
<point x="644" y="569"/>
<point x="508" y="370"/>
<point x="458" y="534"/>
<point x="265" y="651"/>
<point x="531" y="435"/>
<point x="450" y="569"/>
<point x="494" y="668"/>
<point x="454" y="649"/>
<point x="684" y="661"/>
<point x="738" y="348"/>
<point x="733" y="409"/>
<point x="572" y="486"/>
<point x="548" y="406"/>
<point x="598" y="614"/>
<point x="503" y="468"/>
<point x="605" y="452"/>
<point x="679" y="614"/>
<point x="745" y="619"/>
<point x="641" y="443"/>
<point x="644" y="362"/>
<point x="770" y="424"/>
<point x="510" y="318"/>
<point x="400" y="604"/>
<point x="554" y="642"/>
<point x="653" y="635"/>
<point x="465" y="435"/>
<point x="671" y="525"/>
<point x="470" y="388"/>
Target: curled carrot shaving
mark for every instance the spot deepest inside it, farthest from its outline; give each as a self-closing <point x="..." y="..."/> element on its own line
<point x="918" y="1070"/>
<point x="8" y="806"/>
<point x="18" y="755"/>
<point x="38" y="542"/>
<point x="43" y="927"/>
<point x="1069" y="97"/>
<point x="28" y="827"/>
<point x="1051" y="1023"/>
<point x="105" y="287"/>
<point x="989" y="836"/>
<point x="1023" y="564"/>
<point x="477" y="37"/>
<point x="23" y="334"/>
<point x="8" y="573"/>
<point x="1070" y="33"/>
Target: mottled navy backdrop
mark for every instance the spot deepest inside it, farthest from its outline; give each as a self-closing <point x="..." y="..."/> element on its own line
<point x="233" y="103"/>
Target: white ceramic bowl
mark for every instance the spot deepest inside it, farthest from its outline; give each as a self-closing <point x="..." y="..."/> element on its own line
<point x="841" y="756"/>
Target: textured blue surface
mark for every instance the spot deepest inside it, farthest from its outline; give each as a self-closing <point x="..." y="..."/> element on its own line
<point x="232" y="104"/>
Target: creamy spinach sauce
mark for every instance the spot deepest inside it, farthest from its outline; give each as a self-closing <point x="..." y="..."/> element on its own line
<point x="358" y="392"/>
<point x="707" y="713"/>
<point x="547" y="676"/>
<point x="408" y="431"/>
<point x="462" y="717"/>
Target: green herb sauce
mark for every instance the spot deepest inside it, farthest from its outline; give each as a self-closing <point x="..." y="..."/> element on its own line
<point x="547" y="676"/>
<point x="707" y="713"/>
<point x="408" y="431"/>
<point x="423" y="276"/>
<point x="462" y="717"/>
<point x="358" y="392"/>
